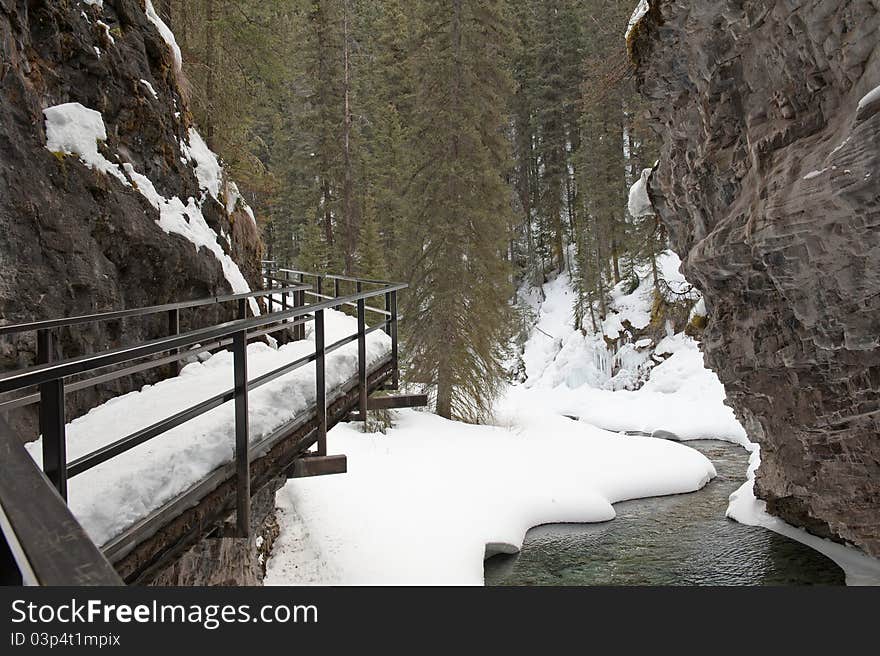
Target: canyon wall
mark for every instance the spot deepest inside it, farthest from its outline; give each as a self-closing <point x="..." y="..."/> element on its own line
<point x="769" y="183"/>
<point x="147" y="219"/>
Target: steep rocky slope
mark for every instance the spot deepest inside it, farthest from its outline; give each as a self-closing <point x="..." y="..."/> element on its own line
<point x="75" y="239"/>
<point x="770" y="186"/>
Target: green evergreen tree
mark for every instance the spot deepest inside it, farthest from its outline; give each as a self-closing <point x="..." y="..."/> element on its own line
<point x="313" y="253"/>
<point x="459" y="318"/>
<point x="371" y="250"/>
<point x="384" y="138"/>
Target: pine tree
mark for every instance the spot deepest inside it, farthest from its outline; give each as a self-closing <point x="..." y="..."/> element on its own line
<point x="371" y="250"/>
<point x="313" y="254"/>
<point x="384" y="137"/>
<point x="458" y="315"/>
<point x="385" y="92"/>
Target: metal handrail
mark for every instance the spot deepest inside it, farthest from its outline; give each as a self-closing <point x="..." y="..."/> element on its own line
<point x="137" y="312"/>
<point x="43" y="373"/>
<point x="49" y="376"/>
<point x="91" y="381"/>
<point x="45" y="545"/>
<point x="333" y="276"/>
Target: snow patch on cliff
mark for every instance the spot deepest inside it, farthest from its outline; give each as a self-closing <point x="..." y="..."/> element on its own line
<point x="234" y="201"/>
<point x="207" y="166"/>
<point x="106" y="29"/>
<point x="188" y="221"/>
<point x="639" y="202"/>
<point x="638" y="14"/>
<point x="166" y="34"/>
<point x="872" y="96"/>
<point x="150" y="88"/>
<point x="72" y="129"/>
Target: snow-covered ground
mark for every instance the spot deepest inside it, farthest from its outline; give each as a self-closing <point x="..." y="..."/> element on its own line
<point x="420" y="504"/>
<point x="423" y="503"/>
<point x="574" y="374"/>
<point x="426" y="502"/>
<point x="115" y="494"/>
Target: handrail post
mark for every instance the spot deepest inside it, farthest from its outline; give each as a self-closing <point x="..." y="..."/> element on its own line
<point x="362" y="358"/>
<point x="242" y="454"/>
<point x="300" y="302"/>
<point x="302" y="326"/>
<point x="283" y="308"/>
<point x="242" y="308"/>
<point x="299" y="331"/>
<point x="320" y="383"/>
<point x="174" y="329"/>
<point x="395" y="368"/>
<point x="52" y="422"/>
<point x="388" y="316"/>
<point x="270" y="284"/>
<point x="336" y="287"/>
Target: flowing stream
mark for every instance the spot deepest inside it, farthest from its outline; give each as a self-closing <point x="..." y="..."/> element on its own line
<point x="683" y="539"/>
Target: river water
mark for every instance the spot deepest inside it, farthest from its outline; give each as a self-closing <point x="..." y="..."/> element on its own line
<point x="683" y="539"/>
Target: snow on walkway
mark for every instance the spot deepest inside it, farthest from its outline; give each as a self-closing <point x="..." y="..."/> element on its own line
<point x="420" y="504"/>
<point x="117" y="493"/>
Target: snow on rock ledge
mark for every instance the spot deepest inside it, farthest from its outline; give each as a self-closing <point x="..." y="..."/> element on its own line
<point x="72" y="129"/>
<point x="207" y="167"/>
<point x="638" y="14"/>
<point x="188" y="221"/>
<point x="166" y="34"/>
<point x="639" y="202"/>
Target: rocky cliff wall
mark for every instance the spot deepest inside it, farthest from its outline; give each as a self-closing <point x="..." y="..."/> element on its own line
<point x="769" y="183"/>
<point x="151" y="223"/>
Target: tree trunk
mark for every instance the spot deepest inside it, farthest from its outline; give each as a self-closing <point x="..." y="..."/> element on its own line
<point x="654" y="265"/>
<point x="348" y="183"/>
<point x="600" y="283"/>
<point x="444" y="370"/>
<point x="444" y="391"/>
<point x="570" y="201"/>
<point x="328" y="214"/>
<point x="592" y="312"/>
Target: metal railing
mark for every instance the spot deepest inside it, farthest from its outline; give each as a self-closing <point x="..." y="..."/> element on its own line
<point x="43" y="544"/>
<point x="47" y="333"/>
<point x="48" y="376"/>
<point x="317" y="290"/>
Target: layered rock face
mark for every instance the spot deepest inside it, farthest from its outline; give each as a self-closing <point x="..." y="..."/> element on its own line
<point x="76" y="240"/>
<point x="769" y="183"/>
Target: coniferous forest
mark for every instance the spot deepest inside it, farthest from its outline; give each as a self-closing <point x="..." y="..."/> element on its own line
<point x="463" y="147"/>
